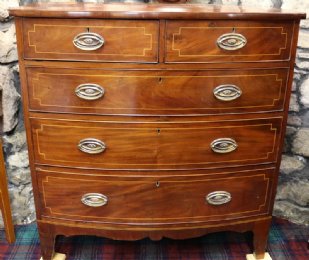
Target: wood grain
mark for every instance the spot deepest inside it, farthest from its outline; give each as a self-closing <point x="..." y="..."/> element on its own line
<point x="196" y="41"/>
<point x="156" y="92"/>
<point x="163" y="200"/>
<point x="133" y="145"/>
<point x="124" y="41"/>
<point x="152" y="11"/>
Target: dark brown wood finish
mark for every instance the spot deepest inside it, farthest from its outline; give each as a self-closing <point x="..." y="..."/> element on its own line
<point x="169" y="199"/>
<point x="131" y="232"/>
<point x="157" y="117"/>
<point x="156" y="92"/>
<point x="286" y="108"/>
<point x="155" y="145"/>
<point x="152" y="11"/>
<point x="24" y="91"/>
<point x="47" y="240"/>
<point x="53" y="40"/>
<point x="260" y="236"/>
<point x="156" y="66"/>
<point x="196" y="41"/>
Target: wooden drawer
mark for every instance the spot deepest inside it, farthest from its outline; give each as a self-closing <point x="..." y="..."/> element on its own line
<point x="153" y="200"/>
<point x="198" y="41"/>
<point x="123" y="41"/>
<point x="156" y="92"/>
<point x="150" y="145"/>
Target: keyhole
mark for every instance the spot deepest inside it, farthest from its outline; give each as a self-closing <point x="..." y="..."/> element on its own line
<point x="88" y="29"/>
<point x="159" y="131"/>
<point x="233" y="30"/>
<point x="157" y="184"/>
<point x="160" y="80"/>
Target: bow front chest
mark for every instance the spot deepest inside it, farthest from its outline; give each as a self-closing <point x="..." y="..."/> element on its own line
<point x="154" y="120"/>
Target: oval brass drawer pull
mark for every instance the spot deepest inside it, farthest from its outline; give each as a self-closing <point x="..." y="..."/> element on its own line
<point x="88" y="41"/>
<point x="89" y="91"/>
<point x="223" y="145"/>
<point x="227" y="92"/>
<point x="94" y="199"/>
<point x="91" y="146"/>
<point x="218" y="197"/>
<point x="231" y="41"/>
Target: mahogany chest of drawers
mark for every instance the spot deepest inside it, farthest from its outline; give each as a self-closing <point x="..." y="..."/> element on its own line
<point x="154" y="120"/>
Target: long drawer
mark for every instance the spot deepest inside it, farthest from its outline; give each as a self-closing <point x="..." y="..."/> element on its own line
<point x="81" y="195"/>
<point x="150" y="145"/>
<point x="91" y="39"/>
<point x="156" y="92"/>
<point x="228" y="41"/>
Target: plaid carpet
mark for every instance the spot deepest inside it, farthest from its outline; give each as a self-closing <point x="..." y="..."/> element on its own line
<point x="286" y="242"/>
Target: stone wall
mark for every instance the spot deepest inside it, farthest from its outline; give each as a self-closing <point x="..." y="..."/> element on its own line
<point x="14" y="138"/>
<point x="292" y="201"/>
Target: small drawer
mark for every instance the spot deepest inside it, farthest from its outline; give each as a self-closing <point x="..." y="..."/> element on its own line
<point x="155" y="145"/>
<point x="92" y="40"/>
<point x="77" y="195"/>
<point x="227" y="41"/>
<point x="156" y="92"/>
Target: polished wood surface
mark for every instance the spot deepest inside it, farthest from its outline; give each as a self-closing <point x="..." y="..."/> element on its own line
<point x="132" y="232"/>
<point x="135" y="41"/>
<point x="131" y="145"/>
<point x="152" y="11"/>
<point x="196" y="41"/>
<point x="156" y="92"/>
<point x="5" y="206"/>
<point x="158" y="117"/>
<point x="156" y="66"/>
<point x="260" y="237"/>
<point x="169" y="200"/>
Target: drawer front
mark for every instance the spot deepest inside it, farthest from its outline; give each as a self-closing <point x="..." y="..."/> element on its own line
<point x="81" y="39"/>
<point x="164" y="200"/>
<point x="131" y="145"/>
<point x="227" y="41"/>
<point x="156" y="92"/>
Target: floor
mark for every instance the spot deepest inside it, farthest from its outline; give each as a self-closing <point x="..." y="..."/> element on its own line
<point x="287" y="241"/>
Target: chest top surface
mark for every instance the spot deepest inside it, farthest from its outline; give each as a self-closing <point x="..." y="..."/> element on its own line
<point x="152" y="10"/>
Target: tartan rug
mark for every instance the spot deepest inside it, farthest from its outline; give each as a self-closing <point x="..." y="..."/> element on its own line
<point x="287" y="241"/>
